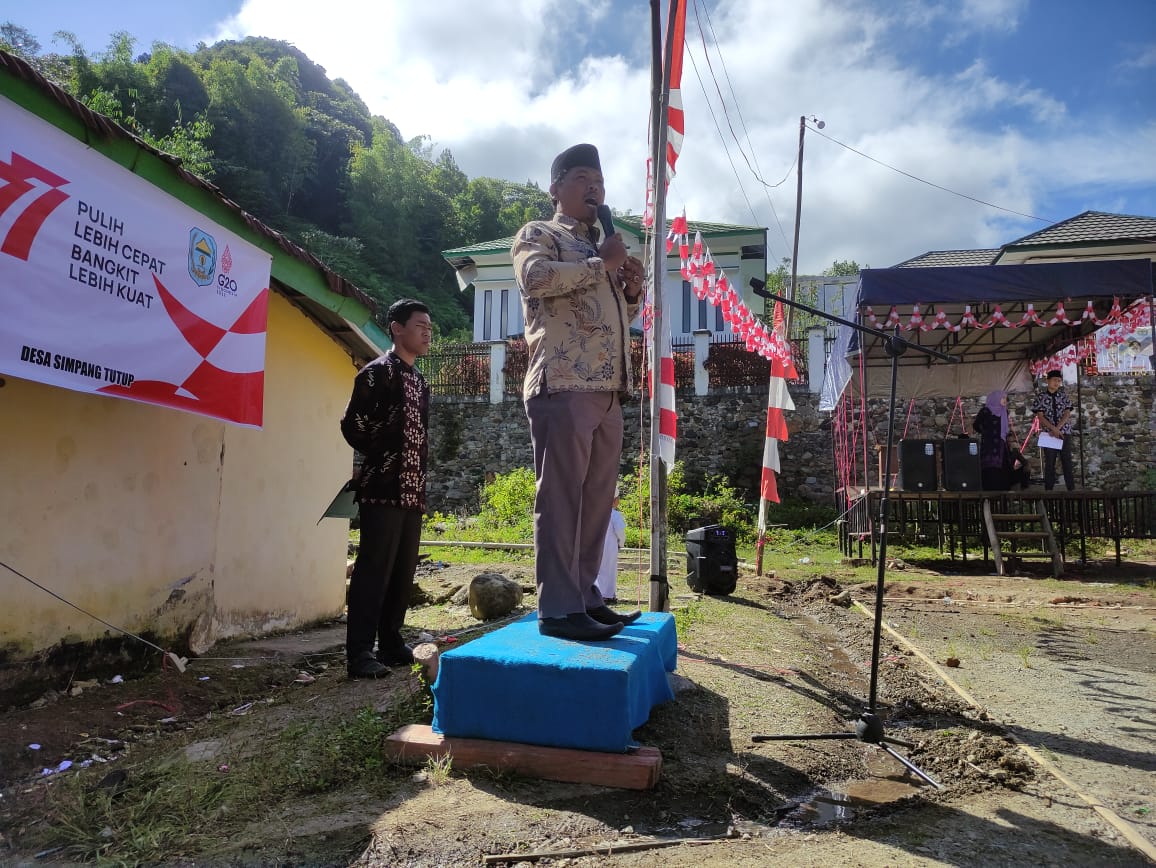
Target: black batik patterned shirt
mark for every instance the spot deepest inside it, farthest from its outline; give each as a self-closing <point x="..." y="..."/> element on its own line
<point x="1054" y="406"/>
<point x="387" y="420"/>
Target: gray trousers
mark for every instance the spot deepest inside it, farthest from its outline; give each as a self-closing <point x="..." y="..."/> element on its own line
<point x="577" y="441"/>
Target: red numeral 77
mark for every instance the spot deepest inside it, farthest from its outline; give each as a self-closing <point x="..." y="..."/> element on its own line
<point x="18" y="241"/>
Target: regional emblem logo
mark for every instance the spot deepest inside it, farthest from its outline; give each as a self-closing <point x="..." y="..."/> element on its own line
<point x="202" y="256"/>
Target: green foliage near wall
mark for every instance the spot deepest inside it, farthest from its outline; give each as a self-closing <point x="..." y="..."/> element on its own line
<point x="711" y="501"/>
<point x="508" y="502"/>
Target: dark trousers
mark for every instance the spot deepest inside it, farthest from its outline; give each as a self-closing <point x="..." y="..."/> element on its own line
<point x="1065" y="456"/>
<point x="577" y="442"/>
<point x="382" y="579"/>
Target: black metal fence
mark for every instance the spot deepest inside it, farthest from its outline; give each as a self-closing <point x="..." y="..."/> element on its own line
<point x="458" y="370"/>
<point x="463" y="370"/>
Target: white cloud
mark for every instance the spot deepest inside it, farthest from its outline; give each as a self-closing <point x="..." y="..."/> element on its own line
<point x="499" y="86"/>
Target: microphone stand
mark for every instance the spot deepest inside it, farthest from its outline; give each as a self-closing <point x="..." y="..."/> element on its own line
<point x="869" y="727"/>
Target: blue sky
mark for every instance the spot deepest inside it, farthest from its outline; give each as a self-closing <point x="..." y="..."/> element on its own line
<point x="1044" y="107"/>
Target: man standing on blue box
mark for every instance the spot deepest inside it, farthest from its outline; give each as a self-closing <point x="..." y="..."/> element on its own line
<point x="579" y="295"/>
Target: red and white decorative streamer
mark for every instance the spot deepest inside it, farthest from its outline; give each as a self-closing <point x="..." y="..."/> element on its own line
<point x="918" y="320"/>
<point x="778" y="400"/>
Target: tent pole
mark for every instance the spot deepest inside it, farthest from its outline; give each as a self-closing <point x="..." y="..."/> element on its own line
<point x="1080" y="418"/>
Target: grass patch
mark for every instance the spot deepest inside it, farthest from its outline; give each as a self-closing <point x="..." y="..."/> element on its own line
<point x="169" y="809"/>
<point x="687" y="616"/>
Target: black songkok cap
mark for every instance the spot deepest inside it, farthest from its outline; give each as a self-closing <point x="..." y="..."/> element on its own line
<point x="578" y="155"/>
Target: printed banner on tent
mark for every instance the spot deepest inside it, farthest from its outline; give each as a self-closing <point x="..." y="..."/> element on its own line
<point x="109" y="285"/>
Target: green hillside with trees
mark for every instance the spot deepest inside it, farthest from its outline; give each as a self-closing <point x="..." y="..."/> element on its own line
<point x="302" y="153"/>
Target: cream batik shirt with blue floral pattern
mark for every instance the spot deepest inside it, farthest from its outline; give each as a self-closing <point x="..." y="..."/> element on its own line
<point x="577" y="320"/>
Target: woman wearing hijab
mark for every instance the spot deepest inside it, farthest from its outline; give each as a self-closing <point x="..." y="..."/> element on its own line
<point x="994" y="457"/>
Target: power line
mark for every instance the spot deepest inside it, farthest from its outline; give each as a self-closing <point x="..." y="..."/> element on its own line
<point x="923" y="181"/>
<point x="757" y="170"/>
<point x="722" y="138"/>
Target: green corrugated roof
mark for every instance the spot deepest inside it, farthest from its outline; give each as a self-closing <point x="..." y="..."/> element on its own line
<point x="496" y="246"/>
<point x="632" y="222"/>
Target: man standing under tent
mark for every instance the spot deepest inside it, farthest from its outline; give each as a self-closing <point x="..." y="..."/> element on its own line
<point x="1053" y="409"/>
<point x="579" y="295"/>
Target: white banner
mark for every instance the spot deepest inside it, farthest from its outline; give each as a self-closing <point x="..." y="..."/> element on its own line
<point x="110" y="285"/>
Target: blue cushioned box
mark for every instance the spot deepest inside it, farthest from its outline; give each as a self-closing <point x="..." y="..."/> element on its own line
<point x="517" y="685"/>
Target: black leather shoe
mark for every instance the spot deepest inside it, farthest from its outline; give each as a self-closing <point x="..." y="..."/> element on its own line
<point x="579" y="627"/>
<point x="606" y="615"/>
<point x="365" y="666"/>
<point x="402" y="656"/>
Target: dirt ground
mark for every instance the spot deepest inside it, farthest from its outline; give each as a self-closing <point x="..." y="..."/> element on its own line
<point x="973" y="670"/>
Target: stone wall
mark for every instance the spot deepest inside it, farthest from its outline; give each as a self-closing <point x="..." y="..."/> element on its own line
<point x="723" y="434"/>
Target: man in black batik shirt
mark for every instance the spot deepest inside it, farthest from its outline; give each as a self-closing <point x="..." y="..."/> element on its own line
<point x="1053" y="409"/>
<point x="387" y="421"/>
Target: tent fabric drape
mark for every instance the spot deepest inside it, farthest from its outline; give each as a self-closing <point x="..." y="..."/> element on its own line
<point x="994" y="283"/>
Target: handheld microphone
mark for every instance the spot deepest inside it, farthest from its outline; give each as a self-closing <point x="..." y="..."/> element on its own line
<point x="606" y="219"/>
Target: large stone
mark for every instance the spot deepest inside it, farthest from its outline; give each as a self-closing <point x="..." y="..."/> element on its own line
<point x="492" y="595"/>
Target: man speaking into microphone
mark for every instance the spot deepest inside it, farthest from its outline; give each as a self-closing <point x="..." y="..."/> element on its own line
<point x="580" y="291"/>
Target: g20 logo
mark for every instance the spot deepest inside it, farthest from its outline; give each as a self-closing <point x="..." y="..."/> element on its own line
<point x="226" y="285"/>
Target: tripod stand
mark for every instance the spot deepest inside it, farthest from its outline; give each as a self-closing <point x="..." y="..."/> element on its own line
<point x="869" y="727"/>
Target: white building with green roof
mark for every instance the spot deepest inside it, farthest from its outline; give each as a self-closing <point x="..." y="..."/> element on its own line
<point x="740" y="251"/>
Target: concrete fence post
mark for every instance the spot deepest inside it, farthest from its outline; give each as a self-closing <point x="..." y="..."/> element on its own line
<point x="701" y="351"/>
<point x="497" y="371"/>
<point x="816" y="358"/>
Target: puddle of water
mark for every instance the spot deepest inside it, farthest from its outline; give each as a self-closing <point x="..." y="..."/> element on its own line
<point x="826" y="806"/>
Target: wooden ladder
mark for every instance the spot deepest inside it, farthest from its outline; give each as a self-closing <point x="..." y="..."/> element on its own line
<point x="1005" y="531"/>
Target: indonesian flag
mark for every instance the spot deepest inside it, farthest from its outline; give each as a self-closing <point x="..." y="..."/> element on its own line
<point x="675" y="122"/>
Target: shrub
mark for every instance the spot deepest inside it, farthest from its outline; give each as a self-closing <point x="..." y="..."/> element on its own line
<point x="716" y="502"/>
<point x="508" y="503"/>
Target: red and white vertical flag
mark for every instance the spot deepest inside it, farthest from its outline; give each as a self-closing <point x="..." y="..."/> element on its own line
<point x="778" y="401"/>
<point x="675" y="120"/>
<point x="667" y="414"/>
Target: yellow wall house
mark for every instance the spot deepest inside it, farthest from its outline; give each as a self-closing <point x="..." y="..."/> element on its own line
<point x="165" y="522"/>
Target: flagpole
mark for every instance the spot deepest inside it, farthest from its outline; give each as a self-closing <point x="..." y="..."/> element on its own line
<point x="660" y="97"/>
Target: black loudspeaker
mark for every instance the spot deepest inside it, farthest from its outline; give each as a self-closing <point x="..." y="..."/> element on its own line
<point x="711" y="562"/>
<point x="961" y="465"/>
<point x="918" y="470"/>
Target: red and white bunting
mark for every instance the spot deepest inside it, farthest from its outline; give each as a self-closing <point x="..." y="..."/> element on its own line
<point x="709" y="282"/>
<point x="920" y="322"/>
